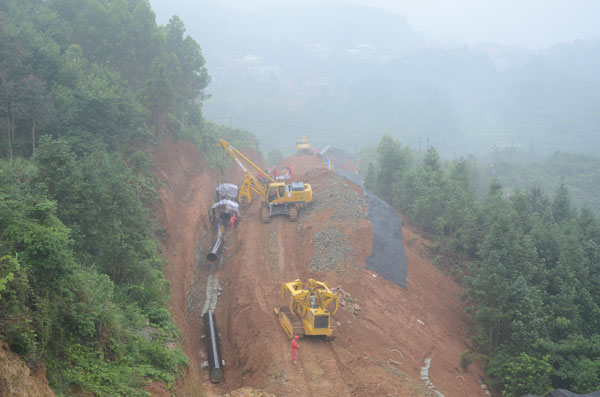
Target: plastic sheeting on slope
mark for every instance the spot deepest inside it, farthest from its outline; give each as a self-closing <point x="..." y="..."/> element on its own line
<point x="227" y="191"/>
<point x="388" y="257"/>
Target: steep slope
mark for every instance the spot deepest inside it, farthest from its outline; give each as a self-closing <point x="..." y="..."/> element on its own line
<point x="378" y="351"/>
<point x="17" y="379"/>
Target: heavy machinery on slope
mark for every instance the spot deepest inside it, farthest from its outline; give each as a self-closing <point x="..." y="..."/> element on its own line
<point x="306" y="312"/>
<point x="280" y="198"/>
<point x="303" y="146"/>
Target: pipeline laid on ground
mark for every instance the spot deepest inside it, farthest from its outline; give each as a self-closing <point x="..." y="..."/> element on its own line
<point x="215" y="364"/>
<point x="216" y="247"/>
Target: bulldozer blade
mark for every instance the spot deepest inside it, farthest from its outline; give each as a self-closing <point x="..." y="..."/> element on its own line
<point x="286" y="324"/>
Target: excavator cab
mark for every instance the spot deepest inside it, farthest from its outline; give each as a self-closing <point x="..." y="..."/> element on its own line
<point x="276" y="193"/>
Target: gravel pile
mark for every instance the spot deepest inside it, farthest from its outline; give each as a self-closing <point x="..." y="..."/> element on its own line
<point x="333" y="251"/>
<point x="335" y="192"/>
<point x="331" y="248"/>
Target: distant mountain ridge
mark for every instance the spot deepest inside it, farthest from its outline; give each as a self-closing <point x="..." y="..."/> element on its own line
<point x="348" y="74"/>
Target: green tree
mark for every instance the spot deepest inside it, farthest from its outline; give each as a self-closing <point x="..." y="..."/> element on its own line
<point x="392" y="159"/>
<point x="429" y="206"/>
<point x="523" y="374"/>
<point x="561" y="203"/>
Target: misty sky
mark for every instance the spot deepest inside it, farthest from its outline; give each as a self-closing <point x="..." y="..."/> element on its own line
<point x="528" y="23"/>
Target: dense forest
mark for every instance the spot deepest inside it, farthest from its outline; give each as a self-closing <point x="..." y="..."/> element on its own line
<point x="530" y="263"/>
<point x="87" y="89"/>
<point x="525" y="169"/>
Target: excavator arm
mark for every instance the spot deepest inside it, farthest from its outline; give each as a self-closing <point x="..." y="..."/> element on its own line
<point x="250" y="182"/>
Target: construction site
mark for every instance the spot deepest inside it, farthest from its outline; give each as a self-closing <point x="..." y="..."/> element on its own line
<point x="397" y="332"/>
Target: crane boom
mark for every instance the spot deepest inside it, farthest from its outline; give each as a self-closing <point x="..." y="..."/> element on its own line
<point x="250" y="181"/>
<point x="280" y="198"/>
<point x="236" y="154"/>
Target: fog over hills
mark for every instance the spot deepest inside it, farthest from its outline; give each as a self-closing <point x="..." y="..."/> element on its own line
<point x="347" y="74"/>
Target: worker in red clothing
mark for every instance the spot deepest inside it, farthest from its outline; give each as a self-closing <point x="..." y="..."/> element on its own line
<point x="275" y="173"/>
<point x="232" y="222"/>
<point x="289" y="171"/>
<point x="295" y="347"/>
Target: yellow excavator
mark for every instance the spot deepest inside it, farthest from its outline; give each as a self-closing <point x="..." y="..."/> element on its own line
<point x="307" y="313"/>
<point x="280" y="198"/>
<point x="303" y="146"/>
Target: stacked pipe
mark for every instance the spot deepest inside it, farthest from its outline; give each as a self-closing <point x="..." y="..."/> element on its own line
<point x="216" y="247"/>
<point x="217" y="373"/>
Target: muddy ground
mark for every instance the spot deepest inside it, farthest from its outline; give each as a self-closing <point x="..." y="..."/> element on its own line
<point x="381" y="344"/>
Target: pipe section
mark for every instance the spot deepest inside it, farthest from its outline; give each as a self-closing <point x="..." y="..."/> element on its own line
<point x="216" y="247"/>
<point x="217" y="373"/>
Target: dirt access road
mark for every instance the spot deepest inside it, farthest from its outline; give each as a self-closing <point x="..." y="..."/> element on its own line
<point x="378" y="351"/>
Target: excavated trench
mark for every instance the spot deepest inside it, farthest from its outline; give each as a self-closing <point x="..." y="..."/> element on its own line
<point x="382" y="338"/>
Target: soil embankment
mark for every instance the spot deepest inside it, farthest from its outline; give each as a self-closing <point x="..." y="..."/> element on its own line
<point x="17" y="379"/>
<point x="383" y="336"/>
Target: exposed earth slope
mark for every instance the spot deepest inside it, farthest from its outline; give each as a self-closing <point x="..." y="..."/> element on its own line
<point x="17" y="379"/>
<point x="381" y="344"/>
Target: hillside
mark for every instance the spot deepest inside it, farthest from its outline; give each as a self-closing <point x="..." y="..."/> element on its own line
<point x="378" y="351"/>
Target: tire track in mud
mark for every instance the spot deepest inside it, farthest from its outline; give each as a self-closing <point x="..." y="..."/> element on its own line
<point x="317" y="358"/>
<point x="266" y="255"/>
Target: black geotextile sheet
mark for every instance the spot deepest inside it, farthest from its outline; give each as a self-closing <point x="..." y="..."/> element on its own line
<point x="351" y="176"/>
<point x="339" y="155"/>
<point x="387" y="253"/>
<point x="388" y="257"/>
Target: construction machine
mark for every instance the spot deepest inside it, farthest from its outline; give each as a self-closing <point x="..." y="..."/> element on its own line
<point x="280" y="198"/>
<point x="306" y="312"/>
<point x="303" y="146"/>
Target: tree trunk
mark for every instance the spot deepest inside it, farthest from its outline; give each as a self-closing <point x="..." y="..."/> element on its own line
<point x="32" y="136"/>
<point x="8" y="133"/>
<point x="12" y="129"/>
<point x="8" y="123"/>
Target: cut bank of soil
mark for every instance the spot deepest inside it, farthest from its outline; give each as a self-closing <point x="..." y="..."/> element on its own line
<point x="379" y="352"/>
<point x="17" y="379"/>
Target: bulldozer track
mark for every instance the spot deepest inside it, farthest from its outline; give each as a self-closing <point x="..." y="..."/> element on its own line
<point x="264" y="213"/>
<point x="297" y="326"/>
<point x="333" y="327"/>
<point x="293" y="213"/>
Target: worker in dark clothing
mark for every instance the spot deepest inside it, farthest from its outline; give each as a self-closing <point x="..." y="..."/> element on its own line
<point x="295" y="347"/>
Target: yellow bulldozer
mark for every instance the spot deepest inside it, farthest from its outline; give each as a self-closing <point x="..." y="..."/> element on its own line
<point x="307" y="311"/>
<point x="280" y="198"/>
<point x="303" y="146"/>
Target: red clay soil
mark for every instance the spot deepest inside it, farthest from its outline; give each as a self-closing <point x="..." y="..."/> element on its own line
<point x="378" y="352"/>
<point x="17" y="379"/>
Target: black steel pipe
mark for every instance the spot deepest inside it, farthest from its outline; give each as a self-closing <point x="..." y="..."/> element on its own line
<point x="217" y="373"/>
<point x="216" y="247"/>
